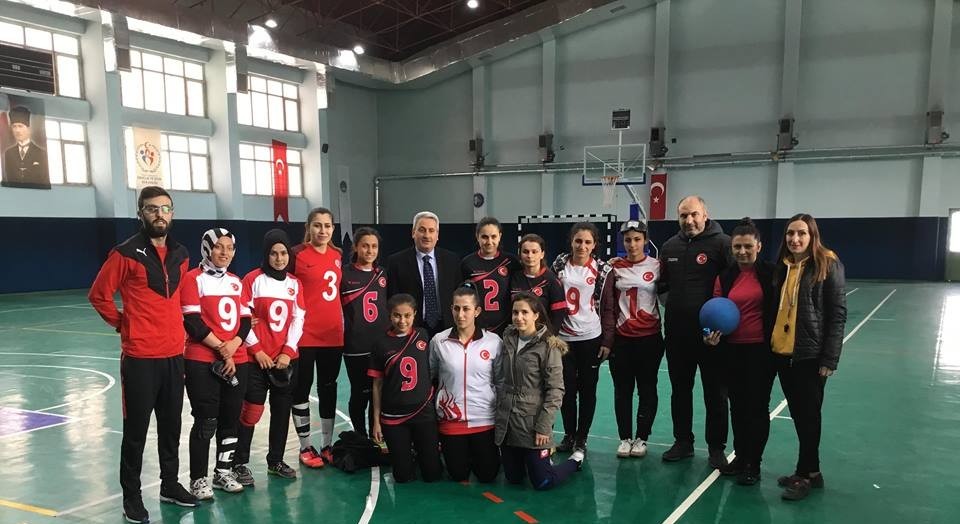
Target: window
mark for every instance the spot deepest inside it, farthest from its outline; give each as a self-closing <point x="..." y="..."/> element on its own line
<point x="65" y="49"/>
<point x="269" y="103"/>
<point x="256" y="170"/>
<point x="165" y="84"/>
<point x="67" y="140"/>
<point x="184" y="161"/>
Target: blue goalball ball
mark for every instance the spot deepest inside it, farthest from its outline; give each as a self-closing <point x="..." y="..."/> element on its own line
<point x="719" y="314"/>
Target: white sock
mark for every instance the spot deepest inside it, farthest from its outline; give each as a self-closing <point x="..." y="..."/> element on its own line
<point x="326" y="431"/>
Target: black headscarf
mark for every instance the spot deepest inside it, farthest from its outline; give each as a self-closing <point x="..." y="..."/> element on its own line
<point x="274" y="236"/>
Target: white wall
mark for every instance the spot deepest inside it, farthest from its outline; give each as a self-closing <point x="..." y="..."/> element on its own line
<point x="863" y="81"/>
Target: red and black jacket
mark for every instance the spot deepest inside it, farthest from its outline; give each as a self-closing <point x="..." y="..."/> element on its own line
<point x="151" y="324"/>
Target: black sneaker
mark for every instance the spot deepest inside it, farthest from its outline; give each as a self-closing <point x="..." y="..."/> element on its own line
<point x="566" y="444"/>
<point x="733" y="468"/>
<point x="134" y="511"/>
<point x="749" y="475"/>
<point x="717" y="459"/>
<point x="282" y="470"/>
<point x="243" y="474"/>
<point x="798" y="490"/>
<point x="177" y="494"/>
<point x="815" y="482"/>
<point x="679" y="450"/>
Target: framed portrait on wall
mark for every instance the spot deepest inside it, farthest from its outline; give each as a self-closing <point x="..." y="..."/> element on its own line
<point x="23" y="141"/>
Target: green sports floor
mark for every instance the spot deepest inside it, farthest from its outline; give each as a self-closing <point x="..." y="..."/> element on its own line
<point x="890" y="450"/>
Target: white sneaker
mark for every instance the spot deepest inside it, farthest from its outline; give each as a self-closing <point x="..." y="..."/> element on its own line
<point x="226" y="481"/>
<point x="623" y="450"/>
<point x="578" y="456"/>
<point x="201" y="489"/>
<point x="639" y="448"/>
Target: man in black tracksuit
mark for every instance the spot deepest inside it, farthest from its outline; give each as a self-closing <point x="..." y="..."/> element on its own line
<point x="690" y="262"/>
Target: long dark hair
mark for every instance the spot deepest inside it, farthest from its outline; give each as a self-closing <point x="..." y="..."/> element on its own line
<point x="585" y="226"/>
<point x="820" y="254"/>
<point x="310" y="216"/>
<point x="543" y="319"/>
<point x="359" y="233"/>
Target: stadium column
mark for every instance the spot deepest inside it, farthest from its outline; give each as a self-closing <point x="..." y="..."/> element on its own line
<point x="105" y="127"/>
<point x="932" y="170"/>
<point x="317" y="187"/>
<point x="481" y="129"/>
<point x="789" y="81"/>
<point x="661" y="63"/>
<point x="220" y="73"/>
<point x="549" y="101"/>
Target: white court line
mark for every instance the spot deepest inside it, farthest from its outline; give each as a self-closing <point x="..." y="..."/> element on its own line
<point x="59" y="355"/>
<point x="371" y="501"/>
<point x="101" y="334"/>
<point x="38" y="308"/>
<point x="110" y="381"/>
<point x="32" y="376"/>
<point x="692" y="498"/>
<point x="852" y="291"/>
<point x="259" y="449"/>
<point x="31" y="430"/>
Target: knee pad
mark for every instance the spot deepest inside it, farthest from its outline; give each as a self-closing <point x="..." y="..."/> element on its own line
<point x="205" y="428"/>
<point x="250" y="414"/>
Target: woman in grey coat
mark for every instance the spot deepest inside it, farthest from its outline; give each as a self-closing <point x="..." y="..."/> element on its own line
<point x="529" y="392"/>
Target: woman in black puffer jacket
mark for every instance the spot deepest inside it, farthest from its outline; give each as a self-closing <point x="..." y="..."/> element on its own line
<point x="807" y="338"/>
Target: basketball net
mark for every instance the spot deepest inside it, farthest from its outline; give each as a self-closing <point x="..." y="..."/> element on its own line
<point x="609" y="184"/>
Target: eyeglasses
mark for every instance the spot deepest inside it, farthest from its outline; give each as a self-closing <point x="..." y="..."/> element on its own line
<point x="633" y="225"/>
<point x="152" y="210"/>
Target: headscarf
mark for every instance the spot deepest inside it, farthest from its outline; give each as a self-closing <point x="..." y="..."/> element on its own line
<point x="271" y="238"/>
<point x="210" y="238"/>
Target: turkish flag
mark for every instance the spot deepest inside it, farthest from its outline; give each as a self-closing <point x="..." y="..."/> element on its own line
<point x="281" y="182"/>
<point x="658" y="196"/>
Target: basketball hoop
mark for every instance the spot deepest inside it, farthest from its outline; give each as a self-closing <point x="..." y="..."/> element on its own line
<point x="609" y="183"/>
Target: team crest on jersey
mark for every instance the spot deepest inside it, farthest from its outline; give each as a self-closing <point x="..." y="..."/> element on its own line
<point x="503" y="270"/>
<point x="648" y="276"/>
<point x="537" y="291"/>
<point x="544" y="453"/>
<point x="702" y="258"/>
<point x="421" y="345"/>
<point x="591" y="281"/>
<point x="290" y="291"/>
<point x="485" y="355"/>
<point x="337" y="262"/>
<point x="235" y="287"/>
<point x="382" y="281"/>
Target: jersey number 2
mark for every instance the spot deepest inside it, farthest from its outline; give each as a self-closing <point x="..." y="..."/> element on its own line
<point x="490" y="302"/>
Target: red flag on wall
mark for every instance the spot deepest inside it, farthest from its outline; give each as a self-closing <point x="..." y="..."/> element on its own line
<point x="281" y="182"/>
<point x="658" y="196"/>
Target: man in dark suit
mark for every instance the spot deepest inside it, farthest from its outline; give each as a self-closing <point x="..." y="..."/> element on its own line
<point x="431" y="274"/>
<point x="25" y="162"/>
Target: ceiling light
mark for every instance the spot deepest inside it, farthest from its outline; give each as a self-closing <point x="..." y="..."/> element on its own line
<point x="358" y="49"/>
<point x="271" y="23"/>
<point x="473" y="4"/>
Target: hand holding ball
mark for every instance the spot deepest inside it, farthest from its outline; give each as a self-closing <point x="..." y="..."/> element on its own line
<point x="719" y="314"/>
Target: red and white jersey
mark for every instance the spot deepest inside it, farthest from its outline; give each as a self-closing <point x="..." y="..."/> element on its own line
<point x="320" y="274"/>
<point x="466" y="393"/>
<point x="221" y="302"/>
<point x="279" y="306"/>
<point x="583" y="319"/>
<point x="638" y="313"/>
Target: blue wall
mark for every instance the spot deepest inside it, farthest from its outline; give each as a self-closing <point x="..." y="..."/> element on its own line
<point x="64" y="253"/>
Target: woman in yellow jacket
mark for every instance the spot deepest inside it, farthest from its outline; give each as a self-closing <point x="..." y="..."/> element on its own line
<point x="807" y="338"/>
